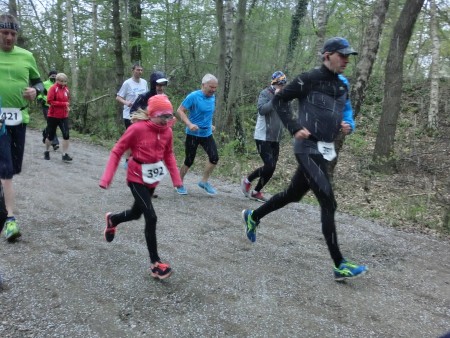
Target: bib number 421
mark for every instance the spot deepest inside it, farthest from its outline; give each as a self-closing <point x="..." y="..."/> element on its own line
<point x="11" y="116"/>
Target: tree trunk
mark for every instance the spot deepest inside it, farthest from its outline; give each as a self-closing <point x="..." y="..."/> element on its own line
<point x="167" y="25"/>
<point x="224" y="119"/>
<point x="434" y="69"/>
<point x="321" y="28"/>
<point x="364" y="68"/>
<point x="135" y="30"/>
<point x="118" y="53"/>
<point x="221" y="73"/>
<point x="368" y="54"/>
<point x="185" y="74"/>
<point x="72" y="53"/>
<point x="59" y="36"/>
<point x="12" y="7"/>
<point x="297" y="17"/>
<point x="124" y="17"/>
<point x="393" y="85"/>
<point x="235" y="81"/>
<point x="93" y="64"/>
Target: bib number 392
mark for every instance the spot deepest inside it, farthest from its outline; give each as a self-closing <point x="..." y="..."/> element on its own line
<point x="12" y="116"/>
<point x="154" y="172"/>
<point x="327" y="150"/>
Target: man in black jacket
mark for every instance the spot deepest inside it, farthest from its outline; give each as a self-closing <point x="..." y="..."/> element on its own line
<point x="158" y="82"/>
<point x="324" y="110"/>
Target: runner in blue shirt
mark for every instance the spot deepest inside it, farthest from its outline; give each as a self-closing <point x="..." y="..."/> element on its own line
<point x="197" y="111"/>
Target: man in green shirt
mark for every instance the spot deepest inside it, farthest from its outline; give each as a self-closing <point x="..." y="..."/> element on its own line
<point x="20" y="83"/>
<point x="42" y="99"/>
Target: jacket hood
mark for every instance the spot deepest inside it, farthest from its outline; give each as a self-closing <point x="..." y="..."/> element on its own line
<point x="153" y="78"/>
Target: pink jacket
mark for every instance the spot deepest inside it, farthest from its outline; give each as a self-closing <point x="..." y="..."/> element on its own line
<point x="58" y="98"/>
<point x="149" y="143"/>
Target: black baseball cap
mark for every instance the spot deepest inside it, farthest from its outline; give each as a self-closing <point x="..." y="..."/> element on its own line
<point x="339" y="45"/>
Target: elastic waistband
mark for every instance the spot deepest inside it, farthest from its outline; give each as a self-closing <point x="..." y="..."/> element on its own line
<point x="137" y="161"/>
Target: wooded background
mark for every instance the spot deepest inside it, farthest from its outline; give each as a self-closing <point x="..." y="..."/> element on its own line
<point x="403" y="48"/>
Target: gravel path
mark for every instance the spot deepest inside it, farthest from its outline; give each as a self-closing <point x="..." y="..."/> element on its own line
<point x="61" y="279"/>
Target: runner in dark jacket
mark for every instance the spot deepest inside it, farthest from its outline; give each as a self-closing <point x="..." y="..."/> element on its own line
<point x="157" y="81"/>
<point x="323" y="111"/>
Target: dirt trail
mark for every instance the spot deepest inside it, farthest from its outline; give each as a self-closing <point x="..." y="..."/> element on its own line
<point x="61" y="279"/>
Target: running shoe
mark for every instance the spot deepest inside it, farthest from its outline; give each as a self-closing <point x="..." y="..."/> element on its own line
<point x="207" y="187"/>
<point x="250" y="224"/>
<point x="110" y="229"/>
<point x="258" y="196"/>
<point x="245" y="187"/>
<point x="11" y="229"/>
<point x="160" y="270"/>
<point x="66" y="158"/>
<point x="46" y="155"/>
<point x="181" y="190"/>
<point x="347" y="270"/>
<point x="55" y="146"/>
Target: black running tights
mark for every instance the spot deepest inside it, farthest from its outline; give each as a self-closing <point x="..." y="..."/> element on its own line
<point x="311" y="174"/>
<point x="269" y="154"/>
<point x="142" y="205"/>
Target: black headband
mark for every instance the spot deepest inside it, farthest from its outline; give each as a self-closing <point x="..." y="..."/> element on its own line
<point x="9" y="25"/>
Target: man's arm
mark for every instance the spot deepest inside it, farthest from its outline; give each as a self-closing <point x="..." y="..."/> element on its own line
<point x="123" y="101"/>
<point x="348" y="110"/>
<point x="122" y="94"/>
<point x="36" y="87"/>
<point x="296" y="89"/>
<point x="264" y="103"/>
<point x="181" y="112"/>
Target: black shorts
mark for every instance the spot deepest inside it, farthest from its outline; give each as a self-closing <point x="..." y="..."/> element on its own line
<point x="53" y="123"/>
<point x="207" y="143"/>
<point x="12" y="146"/>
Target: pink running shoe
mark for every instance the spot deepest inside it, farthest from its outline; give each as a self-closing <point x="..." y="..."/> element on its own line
<point x="245" y="187"/>
<point x="110" y="229"/>
<point x="258" y="196"/>
<point x="160" y="270"/>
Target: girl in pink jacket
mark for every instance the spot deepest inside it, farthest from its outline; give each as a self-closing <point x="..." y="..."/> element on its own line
<point x="150" y="140"/>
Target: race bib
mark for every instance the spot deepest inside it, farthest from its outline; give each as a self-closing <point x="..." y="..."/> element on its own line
<point x="154" y="172"/>
<point x="12" y="116"/>
<point x="327" y="150"/>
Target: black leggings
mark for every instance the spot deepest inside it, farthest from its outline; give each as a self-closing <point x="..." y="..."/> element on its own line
<point x="3" y="212"/>
<point x="44" y="131"/>
<point x="207" y="143"/>
<point x="142" y="205"/>
<point x="311" y="174"/>
<point x="269" y="154"/>
<point x="53" y="123"/>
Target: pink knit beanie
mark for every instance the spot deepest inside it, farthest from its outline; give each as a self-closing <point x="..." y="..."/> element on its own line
<point x="159" y="105"/>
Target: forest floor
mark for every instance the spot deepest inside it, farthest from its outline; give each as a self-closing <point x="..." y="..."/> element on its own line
<point x="61" y="279"/>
